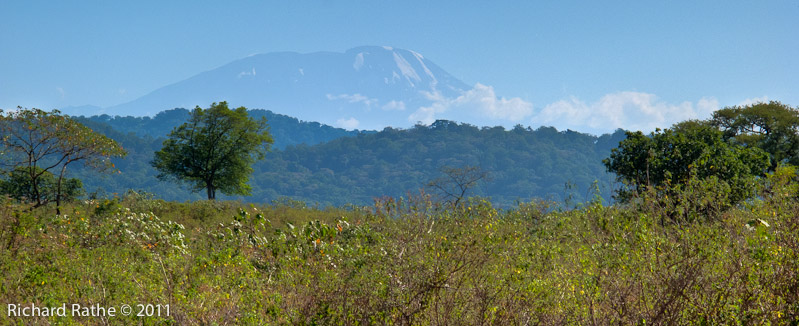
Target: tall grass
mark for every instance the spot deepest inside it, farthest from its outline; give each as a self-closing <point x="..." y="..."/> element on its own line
<point x="408" y="262"/>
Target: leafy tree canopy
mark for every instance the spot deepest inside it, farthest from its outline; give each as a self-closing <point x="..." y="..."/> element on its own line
<point x="772" y="126"/>
<point x="674" y="156"/>
<point x="41" y="142"/>
<point x="18" y="185"/>
<point x="214" y="150"/>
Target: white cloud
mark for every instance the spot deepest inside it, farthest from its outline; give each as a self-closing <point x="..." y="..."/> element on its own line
<point x="350" y="123"/>
<point x="706" y="106"/>
<point x="627" y="110"/>
<point x="354" y="98"/>
<point x="755" y="100"/>
<point x="425" y="115"/>
<point x="481" y="101"/>
<point x="61" y="91"/>
<point x="394" y="105"/>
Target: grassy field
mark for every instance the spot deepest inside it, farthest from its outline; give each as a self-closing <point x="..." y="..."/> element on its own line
<point x="405" y="261"/>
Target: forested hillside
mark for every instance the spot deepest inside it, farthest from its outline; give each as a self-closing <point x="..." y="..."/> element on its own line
<point x="284" y="129"/>
<point x="522" y="163"/>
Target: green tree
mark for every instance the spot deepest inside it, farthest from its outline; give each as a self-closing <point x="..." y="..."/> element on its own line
<point x="666" y="158"/>
<point x="772" y="126"/>
<point x="41" y="142"/>
<point x="214" y="150"/>
<point x="18" y="185"/>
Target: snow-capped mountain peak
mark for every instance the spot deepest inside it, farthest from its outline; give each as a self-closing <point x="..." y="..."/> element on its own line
<point x="375" y="86"/>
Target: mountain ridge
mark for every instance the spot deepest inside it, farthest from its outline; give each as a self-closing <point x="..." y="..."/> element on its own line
<point x="367" y="87"/>
<point x="286" y="130"/>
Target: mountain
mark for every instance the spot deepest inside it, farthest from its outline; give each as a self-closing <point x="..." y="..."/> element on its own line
<point x="366" y="87"/>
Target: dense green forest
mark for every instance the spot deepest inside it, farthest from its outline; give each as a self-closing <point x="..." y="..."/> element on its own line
<point x="521" y="163"/>
<point x="321" y="164"/>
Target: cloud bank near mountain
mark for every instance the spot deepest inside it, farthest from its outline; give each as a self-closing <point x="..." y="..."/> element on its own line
<point x="373" y="87"/>
<point x="626" y="110"/>
<point x="481" y="102"/>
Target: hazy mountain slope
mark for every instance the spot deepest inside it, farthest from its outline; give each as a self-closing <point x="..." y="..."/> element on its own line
<point x="376" y="86"/>
<point x="285" y="130"/>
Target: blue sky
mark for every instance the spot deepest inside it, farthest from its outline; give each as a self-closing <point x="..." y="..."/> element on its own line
<point x="578" y="64"/>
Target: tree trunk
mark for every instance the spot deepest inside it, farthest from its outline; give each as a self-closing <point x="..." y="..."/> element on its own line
<point x="211" y="191"/>
<point x="35" y="184"/>
<point x="58" y="190"/>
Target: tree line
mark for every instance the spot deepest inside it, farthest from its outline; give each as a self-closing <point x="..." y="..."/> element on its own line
<point x="227" y="150"/>
<point x="522" y="162"/>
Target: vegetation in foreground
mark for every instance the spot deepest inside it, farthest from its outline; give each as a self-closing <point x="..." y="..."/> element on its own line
<point x="410" y="261"/>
